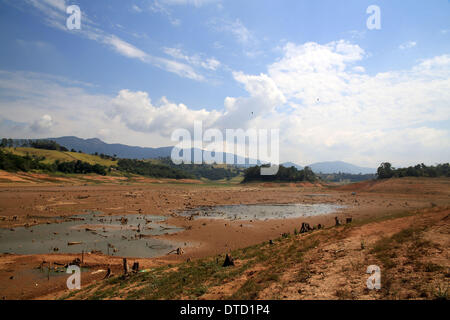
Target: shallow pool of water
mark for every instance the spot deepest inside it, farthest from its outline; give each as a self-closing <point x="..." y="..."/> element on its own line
<point x="262" y="211"/>
<point x="92" y="232"/>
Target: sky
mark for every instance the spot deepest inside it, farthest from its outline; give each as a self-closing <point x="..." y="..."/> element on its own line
<point x="138" y="70"/>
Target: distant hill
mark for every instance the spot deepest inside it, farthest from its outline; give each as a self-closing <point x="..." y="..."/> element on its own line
<point x="93" y="145"/>
<point x="340" y="166"/>
<point x="120" y="150"/>
<point x="63" y="156"/>
<point x="90" y="146"/>
<point x="291" y="164"/>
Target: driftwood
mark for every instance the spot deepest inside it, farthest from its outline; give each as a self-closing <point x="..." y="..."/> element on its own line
<point x="228" y="261"/>
<point x="178" y="251"/>
<point x="72" y="243"/>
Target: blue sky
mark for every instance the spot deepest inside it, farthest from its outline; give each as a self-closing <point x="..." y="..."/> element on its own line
<point x="137" y="70"/>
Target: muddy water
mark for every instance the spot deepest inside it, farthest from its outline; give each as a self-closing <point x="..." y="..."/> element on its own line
<point x="92" y="232"/>
<point x="262" y="212"/>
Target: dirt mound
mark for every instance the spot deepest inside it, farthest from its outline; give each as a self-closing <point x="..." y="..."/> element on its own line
<point x="408" y="185"/>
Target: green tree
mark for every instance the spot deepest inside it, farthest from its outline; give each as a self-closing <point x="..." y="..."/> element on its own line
<point x="385" y="171"/>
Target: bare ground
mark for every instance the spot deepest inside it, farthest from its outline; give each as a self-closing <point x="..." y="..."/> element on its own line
<point x="330" y="265"/>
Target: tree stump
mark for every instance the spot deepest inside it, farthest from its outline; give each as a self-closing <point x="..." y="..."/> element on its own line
<point x="228" y="261"/>
<point x="135" y="267"/>
<point x="337" y="221"/>
<point x="305" y="227"/>
<point x="126" y="268"/>
<point x="108" y="274"/>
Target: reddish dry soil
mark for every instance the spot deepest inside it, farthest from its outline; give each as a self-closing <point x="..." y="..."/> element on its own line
<point x="27" y="204"/>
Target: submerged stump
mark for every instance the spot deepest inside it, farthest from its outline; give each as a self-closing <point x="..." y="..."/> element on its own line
<point x="228" y="261"/>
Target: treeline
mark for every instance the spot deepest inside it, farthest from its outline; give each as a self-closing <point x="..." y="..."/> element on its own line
<point x="386" y="171"/>
<point x="208" y="171"/>
<point x="80" y="167"/>
<point x="13" y="163"/>
<point x="338" y="177"/>
<point x="284" y="174"/>
<point x="146" y="168"/>
<point x="38" y="144"/>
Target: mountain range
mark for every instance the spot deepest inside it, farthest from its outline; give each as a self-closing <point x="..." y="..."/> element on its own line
<point x="124" y="151"/>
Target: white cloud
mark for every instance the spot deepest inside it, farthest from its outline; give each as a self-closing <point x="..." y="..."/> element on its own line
<point x="195" y="3"/>
<point x="124" y="48"/>
<point x="407" y="45"/>
<point x="138" y="113"/>
<point x="44" y="124"/>
<point x="311" y="71"/>
<point x="318" y="95"/>
<point x="195" y="60"/>
<point x="54" y="15"/>
<point x="236" y="28"/>
<point x="240" y="33"/>
<point x="340" y="114"/>
<point x="136" y="8"/>
<point x="159" y="7"/>
<point x="359" y="69"/>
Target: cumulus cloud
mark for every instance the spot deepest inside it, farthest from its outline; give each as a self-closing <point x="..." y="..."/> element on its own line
<point x="319" y="96"/>
<point x="136" y="110"/>
<point x="342" y="113"/>
<point x="44" y="124"/>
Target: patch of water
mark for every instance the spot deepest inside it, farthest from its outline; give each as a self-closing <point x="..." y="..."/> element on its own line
<point x="92" y="232"/>
<point x="262" y="211"/>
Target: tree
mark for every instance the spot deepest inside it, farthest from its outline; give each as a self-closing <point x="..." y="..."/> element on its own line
<point x="385" y="171"/>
